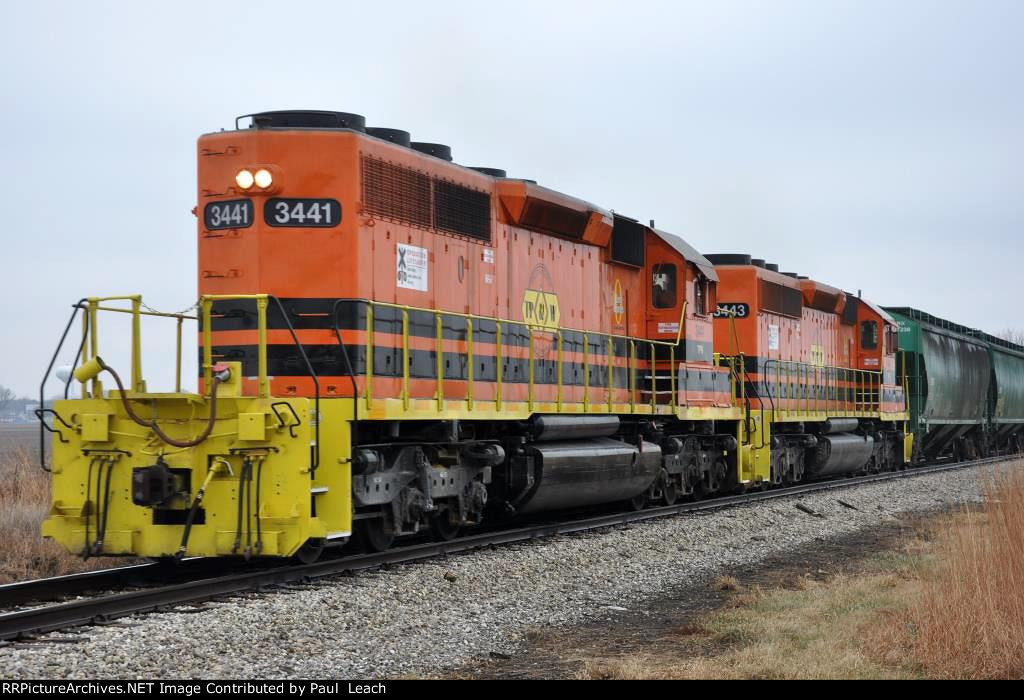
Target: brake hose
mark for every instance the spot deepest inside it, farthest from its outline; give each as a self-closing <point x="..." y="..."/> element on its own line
<point x="180" y="554"/>
<point x="217" y="379"/>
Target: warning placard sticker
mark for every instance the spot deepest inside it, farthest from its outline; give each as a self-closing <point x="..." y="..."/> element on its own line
<point x="412" y="267"/>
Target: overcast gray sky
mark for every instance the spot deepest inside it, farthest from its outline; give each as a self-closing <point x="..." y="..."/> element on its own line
<point x="872" y="145"/>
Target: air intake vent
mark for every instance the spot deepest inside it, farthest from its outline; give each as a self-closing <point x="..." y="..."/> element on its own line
<point x="306" y="119"/>
<point x="410" y="197"/>
<point x="757" y="262"/>
<point x="771" y="266"/>
<point x="396" y="136"/>
<point x="628" y="242"/>
<point x="781" y="300"/>
<point x="396" y="192"/>
<point x="459" y="209"/>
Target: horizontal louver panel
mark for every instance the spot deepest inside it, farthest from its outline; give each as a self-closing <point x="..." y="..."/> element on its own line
<point x="411" y="197"/>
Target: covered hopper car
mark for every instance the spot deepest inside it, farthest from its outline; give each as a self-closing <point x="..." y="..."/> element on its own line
<point x="965" y="387"/>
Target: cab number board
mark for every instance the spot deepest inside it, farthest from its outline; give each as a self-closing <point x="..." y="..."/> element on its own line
<point x="235" y="213"/>
<point x="725" y="310"/>
<point x="315" y="213"/>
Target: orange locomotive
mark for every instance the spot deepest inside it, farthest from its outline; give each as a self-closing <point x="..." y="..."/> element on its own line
<point x="380" y="220"/>
<point x="491" y="302"/>
<point x="819" y="365"/>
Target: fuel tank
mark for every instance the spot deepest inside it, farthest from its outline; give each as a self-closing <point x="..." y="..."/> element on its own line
<point x="550" y="428"/>
<point x="839" y="454"/>
<point x="577" y="473"/>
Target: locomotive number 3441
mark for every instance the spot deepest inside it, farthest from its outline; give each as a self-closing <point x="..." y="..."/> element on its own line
<point x="302" y="212"/>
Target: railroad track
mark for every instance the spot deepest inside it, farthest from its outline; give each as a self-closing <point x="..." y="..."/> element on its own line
<point x="105" y="608"/>
<point x="115" y="578"/>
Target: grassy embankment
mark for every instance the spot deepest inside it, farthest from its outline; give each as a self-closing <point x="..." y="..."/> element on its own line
<point x="24" y="503"/>
<point x="949" y="604"/>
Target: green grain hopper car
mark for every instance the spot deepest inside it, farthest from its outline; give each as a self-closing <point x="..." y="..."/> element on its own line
<point x="965" y="388"/>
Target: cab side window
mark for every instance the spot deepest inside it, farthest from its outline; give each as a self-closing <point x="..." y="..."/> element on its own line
<point x="663" y="286"/>
<point x="700" y="295"/>
<point x="869" y="335"/>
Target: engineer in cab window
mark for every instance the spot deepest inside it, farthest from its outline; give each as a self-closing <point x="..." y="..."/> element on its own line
<point x="663" y="286"/>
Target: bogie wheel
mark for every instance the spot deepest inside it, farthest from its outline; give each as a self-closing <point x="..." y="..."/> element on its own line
<point x="639" y="501"/>
<point x="442" y="527"/>
<point x="376" y="534"/>
<point x="670" y="491"/>
<point x="310" y="552"/>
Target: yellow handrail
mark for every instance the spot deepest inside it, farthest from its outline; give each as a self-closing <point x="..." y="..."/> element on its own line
<point x="470" y="362"/>
<point x="206" y="304"/>
<point x="91" y="342"/>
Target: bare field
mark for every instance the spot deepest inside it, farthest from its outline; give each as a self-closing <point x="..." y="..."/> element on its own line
<point x="16" y="438"/>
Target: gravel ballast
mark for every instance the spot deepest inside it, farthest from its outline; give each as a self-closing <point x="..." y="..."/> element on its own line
<point x="423" y="618"/>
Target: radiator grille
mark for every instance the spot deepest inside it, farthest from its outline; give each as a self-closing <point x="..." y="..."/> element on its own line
<point x="410" y="197"/>
<point x="396" y="192"/>
<point x="459" y="209"/>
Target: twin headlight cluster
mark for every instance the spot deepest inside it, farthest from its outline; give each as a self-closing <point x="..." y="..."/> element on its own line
<point x="246" y="178"/>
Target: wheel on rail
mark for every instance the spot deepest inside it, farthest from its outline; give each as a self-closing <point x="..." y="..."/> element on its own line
<point x="639" y="501"/>
<point x="670" y="490"/>
<point x="310" y="552"/>
<point x="442" y="527"/>
<point x="375" y="534"/>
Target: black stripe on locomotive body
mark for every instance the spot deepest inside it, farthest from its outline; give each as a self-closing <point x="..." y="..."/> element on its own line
<point x="327" y="361"/>
<point x="315" y="314"/>
<point x="284" y="360"/>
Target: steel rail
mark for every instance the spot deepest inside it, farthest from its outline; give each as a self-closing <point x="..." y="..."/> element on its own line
<point x="14" y="625"/>
<point x="115" y="578"/>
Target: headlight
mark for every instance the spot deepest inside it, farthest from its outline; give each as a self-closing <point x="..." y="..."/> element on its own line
<point x="263" y="178"/>
<point x="244" y="179"/>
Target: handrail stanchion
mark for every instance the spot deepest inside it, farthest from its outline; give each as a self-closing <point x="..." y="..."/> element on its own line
<point x="586" y="373"/>
<point x="558" y="396"/>
<point x="497" y="366"/>
<point x="177" y="381"/>
<point x="439" y="360"/>
<point x="207" y="345"/>
<point x="264" y="383"/>
<point x="654" y="386"/>
<point x="405" y="359"/>
<point x="138" y="385"/>
<point x="632" y="376"/>
<point x="672" y="376"/>
<point x="94" y="342"/>
<point x="469" y="364"/>
<point x="85" y="348"/>
<point x="369" y="355"/>
<point x="611" y="365"/>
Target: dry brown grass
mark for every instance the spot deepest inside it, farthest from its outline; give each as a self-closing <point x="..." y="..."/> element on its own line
<point x="950" y="605"/>
<point x="805" y="632"/>
<point x="968" y="619"/>
<point x="24" y="503"/>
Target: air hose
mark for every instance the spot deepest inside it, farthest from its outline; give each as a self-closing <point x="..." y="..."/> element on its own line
<point x="218" y="377"/>
<point x="180" y="554"/>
